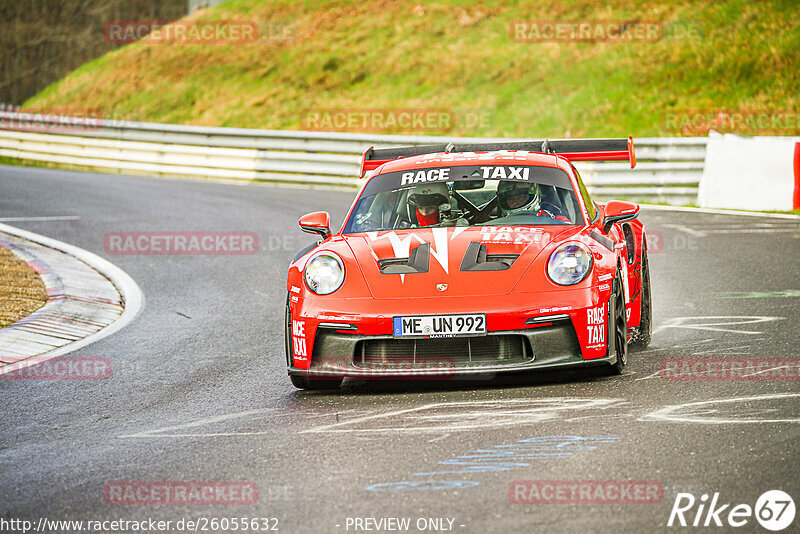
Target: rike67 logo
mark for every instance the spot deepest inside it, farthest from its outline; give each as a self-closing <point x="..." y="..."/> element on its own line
<point x="774" y="510"/>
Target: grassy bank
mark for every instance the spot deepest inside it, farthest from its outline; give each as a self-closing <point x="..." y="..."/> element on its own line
<point x="462" y="60"/>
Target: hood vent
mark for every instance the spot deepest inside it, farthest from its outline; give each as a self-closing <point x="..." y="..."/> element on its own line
<point x="476" y="259"/>
<point x="417" y="262"/>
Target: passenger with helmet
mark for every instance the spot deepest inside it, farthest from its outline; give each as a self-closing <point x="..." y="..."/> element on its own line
<point x="424" y="201"/>
<point x="518" y="197"/>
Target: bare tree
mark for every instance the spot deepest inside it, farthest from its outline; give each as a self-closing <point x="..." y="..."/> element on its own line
<point x="43" y="40"/>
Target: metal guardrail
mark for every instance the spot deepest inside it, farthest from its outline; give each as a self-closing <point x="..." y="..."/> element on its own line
<point x="668" y="169"/>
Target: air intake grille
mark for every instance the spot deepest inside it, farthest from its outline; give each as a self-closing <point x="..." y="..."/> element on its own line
<point x="479" y="351"/>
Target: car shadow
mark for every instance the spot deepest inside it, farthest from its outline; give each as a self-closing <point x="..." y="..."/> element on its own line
<point x="489" y="381"/>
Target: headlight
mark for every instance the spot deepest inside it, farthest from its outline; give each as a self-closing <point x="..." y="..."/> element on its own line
<point x="569" y="264"/>
<point x="324" y="273"/>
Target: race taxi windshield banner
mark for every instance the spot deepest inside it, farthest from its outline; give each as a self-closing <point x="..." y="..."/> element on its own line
<point x="514" y="173"/>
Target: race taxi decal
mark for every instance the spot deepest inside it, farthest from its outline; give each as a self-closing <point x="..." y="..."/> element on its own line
<point x="596" y="326"/>
<point x="505" y="173"/>
<point x="299" y="340"/>
<point x="422" y="176"/>
<point x="518" y="235"/>
<point x="487" y="172"/>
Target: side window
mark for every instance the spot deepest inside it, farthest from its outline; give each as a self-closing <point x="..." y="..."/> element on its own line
<point x="585" y="195"/>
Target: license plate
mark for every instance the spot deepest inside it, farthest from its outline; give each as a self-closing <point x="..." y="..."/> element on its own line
<point x="439" y="325"/>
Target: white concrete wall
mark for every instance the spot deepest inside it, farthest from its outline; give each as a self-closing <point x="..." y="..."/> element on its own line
<point x="748" y="173"/>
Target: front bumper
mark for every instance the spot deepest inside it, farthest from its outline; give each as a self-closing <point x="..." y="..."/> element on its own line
<point x="339" y="354"/>
<point x="329" y="333"/>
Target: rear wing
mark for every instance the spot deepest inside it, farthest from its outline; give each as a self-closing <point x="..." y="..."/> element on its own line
<point x="573" y="149"/>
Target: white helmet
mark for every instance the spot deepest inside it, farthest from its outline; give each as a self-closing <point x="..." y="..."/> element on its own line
<point x="523" y="196"/>
<point x="422" y="198"/>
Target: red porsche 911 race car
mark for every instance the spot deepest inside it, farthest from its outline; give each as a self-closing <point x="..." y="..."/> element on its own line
<point x="468" y="259"/>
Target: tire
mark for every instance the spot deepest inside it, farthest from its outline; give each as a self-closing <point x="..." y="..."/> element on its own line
<point x="617" y="327"/>
<point x="644" y="333"/>
<point x="302" y="382"/>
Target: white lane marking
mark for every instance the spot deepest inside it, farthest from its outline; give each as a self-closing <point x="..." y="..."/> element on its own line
<point x="340" y="413"/>
<point x="751" y="231"/>
<point x="692" y="344"/>
<point x="598" y="416"/>
<point x="693" y="411"/>
<point x="650" y="376"/>
<point x="161" y="432"/>
<point x="767" y="370"/>
<point x="712" y="225"/>
<point x="711" y="229"/>
<point x="721" y="212"/>
<point x="527" y="412"/>
<point x="685" y="229"/>
<point x="40" y="219"/>
<point x="479" y="414"/>
<point x="170" y="431"/>
<point x="646" y="351"/>
<point x="781" y="293"/>
<point x="678" y="346"/>
<point x="716" y="322"/>
<point x="469" y="415"/>
<point x="723" y="349"/>
<point x="325" y="428"/>
<point x="739" y="349"/>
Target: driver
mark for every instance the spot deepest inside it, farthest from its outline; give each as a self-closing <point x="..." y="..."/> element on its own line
<point x="515" y="197"/>
<point x="424" y="201"/>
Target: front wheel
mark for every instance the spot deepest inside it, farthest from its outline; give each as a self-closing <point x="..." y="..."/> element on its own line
<point x="618" y="326"/>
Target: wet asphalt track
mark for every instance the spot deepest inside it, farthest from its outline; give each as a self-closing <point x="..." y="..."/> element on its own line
<point x="199" y="391"/>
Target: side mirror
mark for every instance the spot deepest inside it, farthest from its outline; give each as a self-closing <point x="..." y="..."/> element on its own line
<point x="318" y="222"/>
<point x="619" y="211"/>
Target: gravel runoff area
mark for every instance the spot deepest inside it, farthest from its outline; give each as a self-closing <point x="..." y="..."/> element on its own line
<point x="22" y="290"/>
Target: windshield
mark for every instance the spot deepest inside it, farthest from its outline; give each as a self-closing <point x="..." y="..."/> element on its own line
<point x="484" y="195"/>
